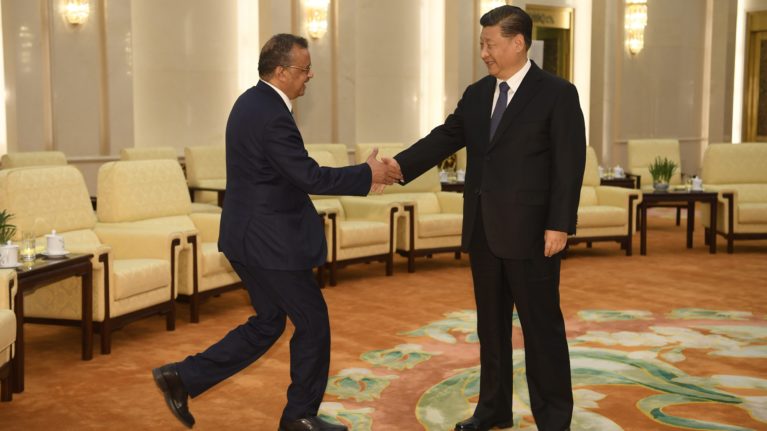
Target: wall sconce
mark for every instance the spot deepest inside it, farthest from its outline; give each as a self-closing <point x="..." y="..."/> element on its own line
<point x="75" y="12"/>
<point x="316" y="17"/>
<point x="488" y="5"/>
<point x="635" y="22"/>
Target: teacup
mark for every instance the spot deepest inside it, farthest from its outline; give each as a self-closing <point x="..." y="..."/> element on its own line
<point x="55" y="243"/>
<point x="697" y="184"/>
<point x="461" y="175"/>
<point x="9" y="255"/>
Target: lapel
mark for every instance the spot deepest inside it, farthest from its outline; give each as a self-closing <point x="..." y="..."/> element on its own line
<point x="527" y="89"/>
<point x="487" y="89"/>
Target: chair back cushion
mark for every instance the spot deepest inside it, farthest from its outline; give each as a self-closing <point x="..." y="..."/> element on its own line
<point x="642" y="152"/>
<point x="149" y="153"/>
<point x="45" y="198"/>
<point x="33" y="158"/>
<point x="735" y="164"/>
<point x="205" y="162"/>
<point x="131" y="191"/>
<point x="340" y="153"/>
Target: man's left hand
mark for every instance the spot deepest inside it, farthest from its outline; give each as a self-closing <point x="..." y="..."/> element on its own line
<point x="555" y="242"/>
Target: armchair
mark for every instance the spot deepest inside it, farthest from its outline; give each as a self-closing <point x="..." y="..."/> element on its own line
<point x="388" y="149"/>
<point x="357" y="229"/>
<point x="641" y="153"/>
<point x="431" y="221"/>
<point x="339" y="153"/>
<point x="33" y="158"/>
<point x="605" y="213"/>
<point x="738" y="173"/>
<point x="153" y="193"/>
<point x="7" y="330"/>
<point x="206" y="173"/>
<point x="134" y="272"/>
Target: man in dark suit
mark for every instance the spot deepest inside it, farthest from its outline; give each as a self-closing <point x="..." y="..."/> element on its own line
<point x="524" y="134"/>
<point x="273" y="237"/>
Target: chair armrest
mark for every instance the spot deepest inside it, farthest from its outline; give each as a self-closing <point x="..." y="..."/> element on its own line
<point x="208" y="225"/>
<point x="723" y="191"/>
<point x="155" y="242"/>
<point x="450" y="202"/>
<point x="8" y="286"/>
<point x="616" y="196"/>
<point x="360" y="208"/>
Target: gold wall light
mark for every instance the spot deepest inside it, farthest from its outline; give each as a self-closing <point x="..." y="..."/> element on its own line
<point x="634" y="22"/>
<point x="316" y="17"/>
<point x="76" y="12"/>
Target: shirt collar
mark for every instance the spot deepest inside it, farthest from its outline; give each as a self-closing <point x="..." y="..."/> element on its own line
<point x="284" y="97"/>
<point x="516" y="79"/>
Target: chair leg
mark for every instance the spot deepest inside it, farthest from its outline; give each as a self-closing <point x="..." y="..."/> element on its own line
<point x="6" y="394"/>
<point x="679" y="216"/>
<point x="457" y="255"/>
<point x="389" y="264"/>
<point x="730" y="243"/>
<point x="705" y="236"/>
<point x="589" y="244"/>
<point x="106" y="336"/>
<point x="170" y="318"/>
<point x="411" y="261"/>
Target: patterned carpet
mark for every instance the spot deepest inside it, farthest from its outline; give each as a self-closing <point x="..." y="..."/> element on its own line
<point x="673" y="340"/>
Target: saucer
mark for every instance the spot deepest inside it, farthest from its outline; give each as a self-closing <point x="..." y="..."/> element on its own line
<point x="55" y="255"/>
<point x="11" y="267"/>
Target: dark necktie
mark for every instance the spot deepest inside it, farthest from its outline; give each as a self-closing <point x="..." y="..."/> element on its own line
<point x="500" y="106"/>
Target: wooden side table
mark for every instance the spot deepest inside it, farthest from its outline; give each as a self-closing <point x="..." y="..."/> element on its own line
<point x="655" y="199"/>
<point x="44" y="271"/>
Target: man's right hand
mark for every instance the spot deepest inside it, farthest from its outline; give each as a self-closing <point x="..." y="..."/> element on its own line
<point x="383" y="173"/>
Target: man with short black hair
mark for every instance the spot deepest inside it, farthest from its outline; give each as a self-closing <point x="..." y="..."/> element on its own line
<point x="273" y="237"/>
<point x="524" y="133"/>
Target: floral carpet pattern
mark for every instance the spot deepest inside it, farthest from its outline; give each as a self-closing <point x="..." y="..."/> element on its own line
<point x="610" y="351"/>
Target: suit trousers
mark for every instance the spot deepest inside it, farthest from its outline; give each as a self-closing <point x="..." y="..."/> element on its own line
<point x="532" y="285"/>
<point x="274" y="295"/>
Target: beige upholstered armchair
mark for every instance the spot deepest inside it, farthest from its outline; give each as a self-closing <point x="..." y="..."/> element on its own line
<point x="605" y="213"/>
<point x="431" y="220"/>
<point x="33" y="158"/>
<point x="7" y="330"/>
<point x="739" y="174"/>
<point x="357" y="229"/>
<point x="153" y="193"/>
<point x="148" y="153"/>
<point x="641" y="154"/>
<point x="206" y="173"/>
<point x="134" y="271"/>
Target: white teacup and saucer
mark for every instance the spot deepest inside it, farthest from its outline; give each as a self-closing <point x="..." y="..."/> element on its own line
<point x="55" y="246"/>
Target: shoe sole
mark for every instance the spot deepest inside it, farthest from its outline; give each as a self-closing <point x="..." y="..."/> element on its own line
<point x="160" y="381"/>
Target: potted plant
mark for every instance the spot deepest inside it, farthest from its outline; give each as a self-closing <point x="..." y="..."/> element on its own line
<point x="662" y="169"/>
<point x="7" y="230"/>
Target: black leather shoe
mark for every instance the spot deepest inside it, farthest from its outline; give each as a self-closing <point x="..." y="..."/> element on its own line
<point x="176" y="397"/>
<point x="474" y="424"/>
<point x="309" y="424"/>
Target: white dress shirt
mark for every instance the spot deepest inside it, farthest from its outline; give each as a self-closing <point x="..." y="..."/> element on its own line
<point x="514" y="82"/>
<point x="285" y="98"/>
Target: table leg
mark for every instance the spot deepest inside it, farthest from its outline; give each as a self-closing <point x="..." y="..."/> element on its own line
<point x="220" y="195"/>
<point x="690" y="222"/>
<point x="643" y="230"/>
<point x="712" y="223"/>
<point x="18" y="359"/>
<point x="87" y="307"/>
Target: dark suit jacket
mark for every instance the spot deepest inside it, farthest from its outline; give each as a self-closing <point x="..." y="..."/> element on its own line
<point x="528" y="177"/>
<point x="268" y="218"/>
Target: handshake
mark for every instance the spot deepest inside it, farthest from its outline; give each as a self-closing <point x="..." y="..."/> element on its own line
<point x="385" y="171"/>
